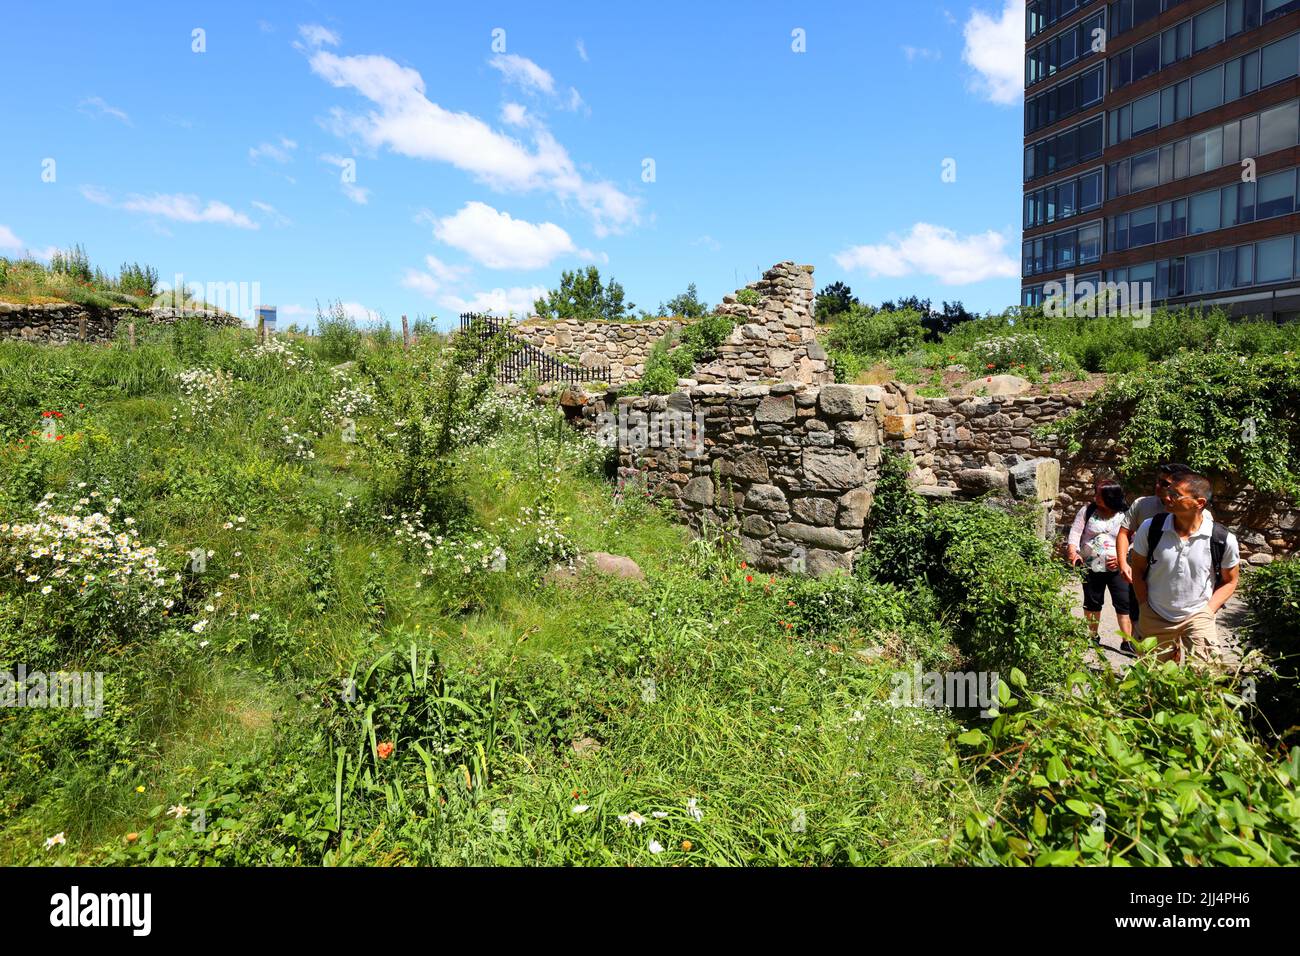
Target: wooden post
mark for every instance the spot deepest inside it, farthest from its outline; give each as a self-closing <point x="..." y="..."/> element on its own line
<point x="406" y="334"/>
<point x="130" y="333"/>
<point x="261" y="328"/>
<point x="81" y="327"/>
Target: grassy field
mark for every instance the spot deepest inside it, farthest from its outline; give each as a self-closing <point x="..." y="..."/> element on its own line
<point x="332" y="590"/>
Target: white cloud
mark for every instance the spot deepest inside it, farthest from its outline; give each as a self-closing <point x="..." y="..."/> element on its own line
<point x="443" y="271"/>
<point x="935" y="251"/>
<point x="523" y="72"/>
<point x="514" y="114"/>
<point x="516" y="301"/>
<point x="359" y="313"/>
<point x="9" y="242"/>
<point x="358" y="194"/>
<point x="409" y="124"/>
<point x="708" y="242"/>
<point x="277" y="218"/>
<point x="294" y="311"/>
<point x="499" y="241"/>
<point x="97" y="104"/>
<point x="995" y="49"/>
<point x="317" y="36"/>
<point x="281" y="152"/>
<point x="179" y="207"/>
<point x="431" y="283"/>
<point x="582" y="50"/>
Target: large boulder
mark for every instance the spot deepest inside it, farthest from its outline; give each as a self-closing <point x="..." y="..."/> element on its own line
<point x="614" y="565"/>
<point x="997" y="386"/>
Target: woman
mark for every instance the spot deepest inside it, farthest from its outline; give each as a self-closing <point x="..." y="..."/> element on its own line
<point x="1092" y="544"/>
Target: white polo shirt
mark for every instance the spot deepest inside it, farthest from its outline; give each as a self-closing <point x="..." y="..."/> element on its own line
<point x="1181" y="580"/>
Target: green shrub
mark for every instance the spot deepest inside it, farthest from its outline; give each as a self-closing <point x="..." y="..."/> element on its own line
<point x="1010" y="353"/>
<point x="698" y="344"/>
<point x="337" y="337"/>
<point x="867" y="332"/>
<point x="1224" y="414"/>
<point x="1152" y="768"/>
<point x="749" y="297"/>
<point x="1273" y="595"/>
<point x="898" y="527"/>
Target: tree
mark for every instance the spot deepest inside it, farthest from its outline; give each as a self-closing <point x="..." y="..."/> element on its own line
<point x="687" y="305"/>
<point x="582" y="295"/>
<point x="834" y="299"/>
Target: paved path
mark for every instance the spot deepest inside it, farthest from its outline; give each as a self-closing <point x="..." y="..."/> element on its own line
<point x="1230" y="620"/>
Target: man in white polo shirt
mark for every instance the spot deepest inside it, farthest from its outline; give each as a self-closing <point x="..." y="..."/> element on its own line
<point x="1175" y="576"/>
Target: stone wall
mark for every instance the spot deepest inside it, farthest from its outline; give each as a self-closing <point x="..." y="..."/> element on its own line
<point x="789" y="468"/>
<point x="61" y="323"/>
<point x="622" y="346"/>
<point x="774" y="338"/>
<point x="973" y="445"/>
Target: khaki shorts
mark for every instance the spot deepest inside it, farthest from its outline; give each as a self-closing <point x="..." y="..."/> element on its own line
<point x="1197" y="636"/>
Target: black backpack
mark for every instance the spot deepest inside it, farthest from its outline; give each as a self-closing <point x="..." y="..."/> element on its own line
<point x="1218" y="545"/>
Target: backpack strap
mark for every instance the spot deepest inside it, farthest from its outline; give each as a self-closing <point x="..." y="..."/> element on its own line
<point x="1218" y="548"/>
<point x="1089" y="511"/>
<point x="1154" y="533"/>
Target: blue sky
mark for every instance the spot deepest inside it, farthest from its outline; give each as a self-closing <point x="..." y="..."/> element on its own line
<point x="496" y="144"/>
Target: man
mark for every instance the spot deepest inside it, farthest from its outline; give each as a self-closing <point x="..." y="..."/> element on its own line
<point x="1184" y="569"/>
<point x="1142" y="509"/>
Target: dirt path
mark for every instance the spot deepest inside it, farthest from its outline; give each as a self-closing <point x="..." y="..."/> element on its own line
<point x="1231" y="619"/>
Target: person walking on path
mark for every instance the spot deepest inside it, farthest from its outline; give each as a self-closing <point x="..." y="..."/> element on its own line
<point x="1092" y="545"/>
<point x="1143" y="508"/>
<point x="1185" y="567"/>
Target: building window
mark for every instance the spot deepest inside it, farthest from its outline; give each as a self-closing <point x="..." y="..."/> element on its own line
<point x="1273" y="260"/>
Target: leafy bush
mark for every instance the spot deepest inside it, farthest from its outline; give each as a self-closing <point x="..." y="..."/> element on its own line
<point x="988" y="570"/>
<point x="865" y="331"/>
<point x="582" y="295"/>
<point x="1224" y="414"/>
<point x="749" y="297"/>
<point x="1273" y="595"/>
<point x="1152" y="768"/>
<point x="1014" y="352"/>
<point x="337" y="337"/>
<point x="666" y="363"/>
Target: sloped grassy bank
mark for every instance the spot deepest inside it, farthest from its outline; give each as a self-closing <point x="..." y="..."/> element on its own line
<point x="324" y="650"/>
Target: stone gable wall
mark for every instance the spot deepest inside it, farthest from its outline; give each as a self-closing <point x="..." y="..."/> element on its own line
<point x="622" y="346"/>
<point x="789" y="468"/>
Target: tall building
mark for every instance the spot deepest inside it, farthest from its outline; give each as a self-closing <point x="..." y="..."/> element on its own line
<point x="1161" y="149"/>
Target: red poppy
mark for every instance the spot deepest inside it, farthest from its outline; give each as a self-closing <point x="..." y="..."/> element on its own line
<point x="46" y="414"/>
<point x="749" y="579"/>
<point x="990" y="365"/>
<point x="58" y="438"/>
<point x="58" y="414"/>
<point x="385" y="750"/>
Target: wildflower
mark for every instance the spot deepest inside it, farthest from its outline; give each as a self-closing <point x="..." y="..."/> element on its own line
<point x="254" y="617"/>
<point x="580" y="808"/>
<point x="694" y="811"/>
<point x="628" y="819"/>
<point x="686" y="845"/>
<point x="57" y="840"/>
<point x="200" y="627"/>
<point x="749" y="579"/>
<point x="659" y="814"/>
<point x="655" y="847"/>
<point x="132" y="837"/>
<point x="385" y="750"/>
<point x="139" y="789"/>
<point x="178" y="811"/>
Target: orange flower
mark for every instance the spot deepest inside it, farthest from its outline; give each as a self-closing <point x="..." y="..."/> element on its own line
<point x="749" y="579"/>
<point x="686" y="845"/>
<point x="385" y="750"/>
<point x="132" y="837"/>
<point x="789" y="603"/>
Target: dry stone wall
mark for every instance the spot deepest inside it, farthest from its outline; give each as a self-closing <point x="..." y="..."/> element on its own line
<point x="973" y="446"/>
<point x="621" y="346"/>
<point x="61" y="323"/>
<point x="774" y="338"/>
<point x="788" y="468"/>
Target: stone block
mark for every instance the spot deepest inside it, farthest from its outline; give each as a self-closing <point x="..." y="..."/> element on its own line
<point x="843" y="401"/>
<point x="833" y="468"/>
<point x="1038" y="479"/>
<point x="900" y="426"/>
<point x="775" y="409"/>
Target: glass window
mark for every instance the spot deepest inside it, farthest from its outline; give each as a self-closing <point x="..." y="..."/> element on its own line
<point x="1207" y="28"/>
<point x="1280" y="60"/>
<point x="1235" y="24"/>
<point x="1202" y="273"/>
<point x="1250" y="73"/>
<point x="1090" y="88"/>
<point x="1166" y="164"/>
<point x="1091" y="135"/>
<point x="1143" y="273"/>
<point x="1203" y="212"/>
<point x="1249" y="136"/>
<point x="1275" y="195"/>
<point x="1146" y="113"/>
<point x="1207" y="151"/>
<point x="1231" y="143"/>
<point x="1119" y="232"/>
<point x="1207" y="90"/>
<point x="1279" y="127"/>
<point x="1182" y="159"/>
<point x="1273" y="261"/>
<point x="1227" y="268"/>
<point x="1231" y="80"/>
<point x="1144" y="170"/>
<point x="1167" y="114"/>
<point x="1245" y="202"/>
<point x="1245" y="265"/>
<point x="1090" y="243"/>
<point x="1065" y="200"/>
<point x="1142" y="227"/>
<point x="1146" y="58"/>
<point x="1228" y="207"/>
<point x="1090" y="191"/>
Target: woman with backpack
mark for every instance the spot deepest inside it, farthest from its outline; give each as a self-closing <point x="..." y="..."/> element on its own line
<point x="1092" y="545"/>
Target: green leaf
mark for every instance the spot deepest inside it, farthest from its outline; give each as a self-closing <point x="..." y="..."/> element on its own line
<point x="973" y="737"/>
<point x="1040" y="821"/>
<point x="1079" y="807"/>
